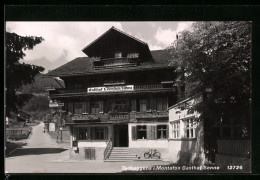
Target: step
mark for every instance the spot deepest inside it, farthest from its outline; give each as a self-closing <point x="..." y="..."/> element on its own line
<point x="115" y="152"/>
<point x="122" y="158"/>
<point x="134" y="156"/>
<point x="119" y="150"/>
<point x="117" y="160"/>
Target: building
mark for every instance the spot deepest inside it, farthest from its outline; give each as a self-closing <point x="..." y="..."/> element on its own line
<point x="186" y="137"/>
<point x="117" y="98"/>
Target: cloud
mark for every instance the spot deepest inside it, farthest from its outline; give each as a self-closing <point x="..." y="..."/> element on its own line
<point x="167" y="36"/>
<point x="65" y="40"/>
<point x="60" y="36"/>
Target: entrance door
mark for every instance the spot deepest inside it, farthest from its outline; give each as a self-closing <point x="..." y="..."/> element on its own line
<point x="121" y="135"/>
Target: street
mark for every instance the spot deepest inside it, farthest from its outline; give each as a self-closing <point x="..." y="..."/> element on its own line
<point x="41" y="154"/>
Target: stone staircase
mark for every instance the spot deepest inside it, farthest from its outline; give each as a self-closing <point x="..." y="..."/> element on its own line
<point x="118" y="154"/>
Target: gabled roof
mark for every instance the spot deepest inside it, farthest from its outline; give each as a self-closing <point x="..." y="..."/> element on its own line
<point x="113" y="28"/>
<point x="84" y="66"/>
<point x="113" y="41"/>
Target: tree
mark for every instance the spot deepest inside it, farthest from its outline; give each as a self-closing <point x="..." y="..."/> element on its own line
<point x="215" y="60"/>
<point x="37" y="104"/>
<point x="18" y="74"/>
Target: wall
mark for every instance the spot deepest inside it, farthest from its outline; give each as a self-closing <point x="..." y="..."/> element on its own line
<point x="188" y="151"/>
<point x="140" y="146"/>
<point x="98" y="145"/>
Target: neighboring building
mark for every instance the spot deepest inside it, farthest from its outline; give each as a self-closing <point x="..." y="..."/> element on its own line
<point x="186" y="137"/>
<point x="117" y="98"/>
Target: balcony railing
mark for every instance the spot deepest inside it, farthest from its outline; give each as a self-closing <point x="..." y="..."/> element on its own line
<point x="84" y="117"/>
<point x="65" y="91"/>
<point x="80" y="91"/>
<point x="234" y="147"/>
<point x="152" y="114"/>
<point x="148" y="87"/>
<point x="104" y="63"/>
<point x="119" y="116"/>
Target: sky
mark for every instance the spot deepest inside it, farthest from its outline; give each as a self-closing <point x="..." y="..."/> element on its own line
<point x="64" y="41"/>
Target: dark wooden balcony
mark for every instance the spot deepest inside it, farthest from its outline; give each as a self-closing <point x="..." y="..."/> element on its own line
<point x="151" y="114"/>
<point x="118" y="116"/>
<point x="122" y="116"/>
<point x="137" y="88"/>
<point x="114" y="62"/>
<point x="84" y="117"/>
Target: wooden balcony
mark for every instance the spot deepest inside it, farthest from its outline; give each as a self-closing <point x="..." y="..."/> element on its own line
<point x="115" y="62"/>
<point x="151" y="115"/>
<point x="84" y="117"/>
<point x="118" y="116"/>
<point x="240" y="148"/>
<point x="122" y="116"/>
<point x="137" y="88"/>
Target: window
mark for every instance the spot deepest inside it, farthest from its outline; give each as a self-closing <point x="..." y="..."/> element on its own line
<point x="141" y="132"/>
<point x="84" y="133"/>
<point x="93" y="133"/>
<point x="189" y="128"/>
<point x="162" y="104"/>
<point x="78" y="108"/>
<point x="176" y="129"/>
<point x="142" y="105"/>
<point x="161" y="131"/>
<point x="119" y="106"/>
<point x="94" y="107"/>
<point x="118" y="54"/>
<point x="99" y="133"/>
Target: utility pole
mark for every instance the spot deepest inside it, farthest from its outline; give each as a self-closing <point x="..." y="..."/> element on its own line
<point x="60" y="125"/>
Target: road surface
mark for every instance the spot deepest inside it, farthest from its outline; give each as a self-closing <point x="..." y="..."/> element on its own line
<point x="41" y="154"/>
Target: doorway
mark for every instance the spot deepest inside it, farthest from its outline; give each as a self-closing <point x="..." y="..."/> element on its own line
<point x="121" y="135"/>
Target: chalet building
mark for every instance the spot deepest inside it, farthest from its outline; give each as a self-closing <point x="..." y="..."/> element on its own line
<point x="117" y="98"/>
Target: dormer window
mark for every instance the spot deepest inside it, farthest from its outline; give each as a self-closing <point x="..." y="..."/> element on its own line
<point x="118" y="54"/>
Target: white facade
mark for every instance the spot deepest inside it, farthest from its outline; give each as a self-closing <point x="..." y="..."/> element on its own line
<point x="186" y="143"/>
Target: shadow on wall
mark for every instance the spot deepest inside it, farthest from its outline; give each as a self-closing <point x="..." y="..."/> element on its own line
<point x="192" y="150"/>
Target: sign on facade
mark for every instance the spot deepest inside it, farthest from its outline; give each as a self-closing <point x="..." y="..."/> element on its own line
<point x="51" y="127"/>
<point x="111" y="89"/>
<point x="55" y="104"/>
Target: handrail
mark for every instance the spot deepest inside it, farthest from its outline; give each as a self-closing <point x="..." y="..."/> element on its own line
<point x="107" y="149"/>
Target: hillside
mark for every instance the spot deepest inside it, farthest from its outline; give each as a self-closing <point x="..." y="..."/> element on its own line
<point x="39" y="85"/>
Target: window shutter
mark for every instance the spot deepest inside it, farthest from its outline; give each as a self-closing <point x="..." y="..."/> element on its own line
<point x="92" y="133"/>
<point x="148" y="107"/>
<point x="164" y="104"/>
<point x="133" y="105"/>
<point x="87" y="106"/>
<point x="70" y="107"/>
<point x="159" y="104"/>
<point x="134" y="133"/>
<point x="155" y="132"/>
<point x="84" y="110"/>
<point x="153" y="104"/>
<point x="149" y="132"/>
<point x="137" y="105"/>
<point x="101" y="106"/>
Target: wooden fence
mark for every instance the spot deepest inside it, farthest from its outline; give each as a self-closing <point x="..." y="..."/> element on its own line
<point x="16" y="134"/>
<point x="239" y="148"/>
